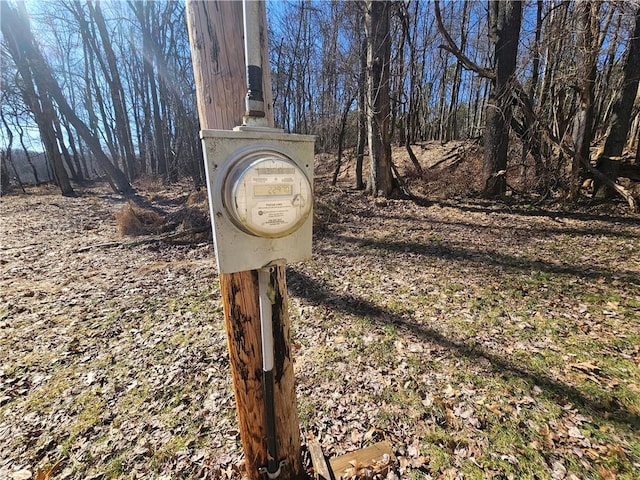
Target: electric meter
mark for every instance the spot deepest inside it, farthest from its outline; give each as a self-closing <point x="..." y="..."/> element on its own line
<point x="260" y="196"/>
<point x="267" y="195"/>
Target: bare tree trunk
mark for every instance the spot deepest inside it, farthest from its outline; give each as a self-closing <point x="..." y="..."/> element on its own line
<point x="30" y="64"/>
<point x="82" y="173"/>
<point x="122" y="127"/>
<point x="4" y="173"/>
<point x="587" y="45"/>
<point x="530" y="143"/>
<point x="378" y="101"/>
<point x="554" y="41"/>
<point x="153" y="114"/>
<point x="506" y="31"/>
<point x="64" y="150"/>
<point x="362" y="115"/>
<point x="27" y="155"/>
<point x="605" y="95"/>
<point x="638" y="152"/>
<point x="452" y="131"/>
<point x="6" y="157"/>
<point x="343" y="125"/>
<point x="13" y="24"/>
<point x="622" y="109"/>
<point x="412" y="105"/>
<point x="442" y="118"/>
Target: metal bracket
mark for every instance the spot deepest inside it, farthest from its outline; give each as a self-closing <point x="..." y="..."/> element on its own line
<point x="276" y="474"/>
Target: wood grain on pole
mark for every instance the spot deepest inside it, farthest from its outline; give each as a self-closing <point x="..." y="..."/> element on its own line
<point x="215" y="34"/>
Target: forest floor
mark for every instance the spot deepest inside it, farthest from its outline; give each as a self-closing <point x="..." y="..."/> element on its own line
<point x="482" y="339"/>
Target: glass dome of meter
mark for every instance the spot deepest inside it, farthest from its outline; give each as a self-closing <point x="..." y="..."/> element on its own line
<point x="267" y="195"/>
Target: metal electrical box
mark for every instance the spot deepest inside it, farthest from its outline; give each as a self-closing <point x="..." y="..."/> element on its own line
<point x="260" y="184"/>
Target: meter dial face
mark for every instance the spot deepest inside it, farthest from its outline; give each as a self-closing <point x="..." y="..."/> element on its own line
<point x="267" y="195"/>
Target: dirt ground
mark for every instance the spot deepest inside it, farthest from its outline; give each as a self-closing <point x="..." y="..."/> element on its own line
<point x="483" y="339"/>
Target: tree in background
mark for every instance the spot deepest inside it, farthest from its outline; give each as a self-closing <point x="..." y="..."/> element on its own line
<point x="504" y="33"/>
<point x="124" y="70"/>
<point x="609" y="159"/>
<point x="32" y="68"/>
<point x="588" y="34"/>
<point x="377" y="98"/>
<point x="32" y="64"/>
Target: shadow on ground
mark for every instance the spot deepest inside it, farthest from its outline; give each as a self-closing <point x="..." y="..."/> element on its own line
<point x="303" y="286"/>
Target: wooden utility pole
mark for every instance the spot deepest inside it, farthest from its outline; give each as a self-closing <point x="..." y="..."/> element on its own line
<point x="216" y="38"/>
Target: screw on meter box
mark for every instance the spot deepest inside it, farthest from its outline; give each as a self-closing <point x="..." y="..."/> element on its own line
<point x="267" y="195"/>
<point x="260" y="196"/>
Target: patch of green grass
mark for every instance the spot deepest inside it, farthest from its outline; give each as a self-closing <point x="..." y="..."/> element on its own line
<point x="616" y="459"/>
<point x="386" y="419"/>
<point x="307" y="410"/>
<point x="471" y="471"/>
<point x="408" y="398"/>
<point x="627" y="398"/>
<point x="634" y="450"/>
<point x="132" y="400"/>
<point x="382" y="352"/>
<point x="419" y="475"/>
<point x="439" y="458"/>
<point x="599" y="298"/>
<point x="327" y="355"/>
<point x="115" y="468"/>
<point x="168" y="451"/>
<point x="198" y="303"/>
<point x="65" y="446"/>
<point x="625" y="344"/>
<point x="619" y="457"/>
<point x="451" y="288"/>
<point x="91" y="406"/>
<point x="537" y="362"/>
<point x="42" y="398"/>
<point x="398" y="306"/>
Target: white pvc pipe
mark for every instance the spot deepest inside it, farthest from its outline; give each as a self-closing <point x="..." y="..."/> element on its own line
<point x="266" y="326"/>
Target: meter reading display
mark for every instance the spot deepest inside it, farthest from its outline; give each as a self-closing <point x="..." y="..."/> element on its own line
<point x="267" y="195"/>
<point x="271" y="190"/>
